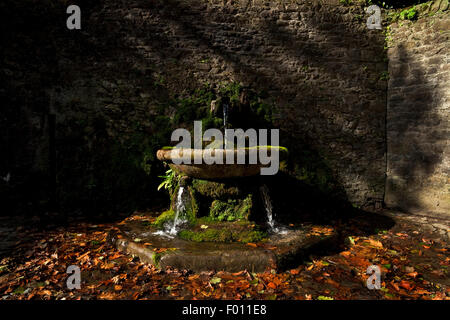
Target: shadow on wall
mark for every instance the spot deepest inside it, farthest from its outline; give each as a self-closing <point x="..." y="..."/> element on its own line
<point x="310" y="112"/>
<point x="415" y="140"/>
<point x="126" y="47"/>
<point x="137" y="45"/>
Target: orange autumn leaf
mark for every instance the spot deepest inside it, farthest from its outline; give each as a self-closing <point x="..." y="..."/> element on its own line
<point x="117" y="287"/>
<point x="399" y="234"/>
<point x="375" y="243"/>
<point x="254" y="245"/>
<point x="345" y="254"/>
<point x="272" y="285"/>
<point x="294" y="271"/>
<point x="115" y="256"/>
<point x="406" y="285"/>
<point x="421" y="291"/>
<point x="396" y="287"/>
<point x="46" y="292"/>
<point x="332" y="282"/>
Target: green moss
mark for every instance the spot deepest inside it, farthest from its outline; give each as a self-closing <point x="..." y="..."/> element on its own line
<point x="313" y="169"/>
<point x="192" y="211"/>
<point x="157" y="258"/>
<point x="409" y="14"/>
<point x="405" y="14"/>
<point x="384" y="76"/>
<point x="346" y="2"/>
<point x="221" y="210"/>
<point x="222" y="235"/>
<point x="210" y="235"/>
<point x="252" y="236"/>
<point x="214" y="189"/>
<point x="165" y="217"/>
<point x="231" y="210"/>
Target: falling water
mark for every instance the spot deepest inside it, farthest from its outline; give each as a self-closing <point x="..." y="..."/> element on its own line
<point x="172" y="229"/>
<point x="225" y="114"/>
<point x="273" y="226"/>
<point x="225" y="120"/>
<point x="179" y="208"/>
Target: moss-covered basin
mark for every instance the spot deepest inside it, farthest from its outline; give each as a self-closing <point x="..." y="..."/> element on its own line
<point x="219" y="170"/>
<point x="200" y="249"/>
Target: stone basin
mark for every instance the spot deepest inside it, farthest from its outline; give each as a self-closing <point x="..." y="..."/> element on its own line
<point x="278" y="252"/>
<point x="214" y="170"/>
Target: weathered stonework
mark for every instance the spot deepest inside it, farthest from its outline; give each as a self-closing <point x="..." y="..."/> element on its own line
<point x="316" y="61"/>
<point x="418" y="118"/>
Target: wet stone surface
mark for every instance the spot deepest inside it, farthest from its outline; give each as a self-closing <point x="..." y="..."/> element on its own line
<point x="276" y="252"/>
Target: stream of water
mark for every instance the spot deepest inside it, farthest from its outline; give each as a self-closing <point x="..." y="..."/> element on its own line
<point x="273" y="226"/>
<point x="172" y="229"/>
<point x="225" y="120"/>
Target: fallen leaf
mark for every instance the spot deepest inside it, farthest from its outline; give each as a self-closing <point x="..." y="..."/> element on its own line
<point x="406" y="285"/>
<point x="215" y="280"/>
<point x="272" y="285"/>
<point x="375" y="243"/>
<point x="324" y="298"/>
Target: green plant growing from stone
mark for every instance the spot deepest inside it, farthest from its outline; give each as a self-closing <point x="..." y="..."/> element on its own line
<point x="346" y="2"/>
<point x="387" y="38"/>
<point x="406" y="14"/>
<point x="170" y="180"/>
<point x="384" y="76"/>
<point x="409" y="14"/>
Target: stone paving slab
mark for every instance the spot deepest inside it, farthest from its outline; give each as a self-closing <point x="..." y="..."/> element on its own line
<point x="440" y="227"/>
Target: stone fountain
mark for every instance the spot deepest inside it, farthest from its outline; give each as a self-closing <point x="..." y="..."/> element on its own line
<point x="221" y="217"/>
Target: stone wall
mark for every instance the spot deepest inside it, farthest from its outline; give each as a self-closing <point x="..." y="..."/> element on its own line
<point x="418" y="122"/>
<point x="109" y="84"/>
<point x="317" y="62"/>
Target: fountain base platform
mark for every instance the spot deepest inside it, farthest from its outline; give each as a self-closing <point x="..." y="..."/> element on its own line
<point x="278" y="251"/>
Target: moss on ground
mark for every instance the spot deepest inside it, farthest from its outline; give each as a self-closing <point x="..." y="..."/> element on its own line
<point x="165" y="217"/>
<point x="222" y="235"/>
